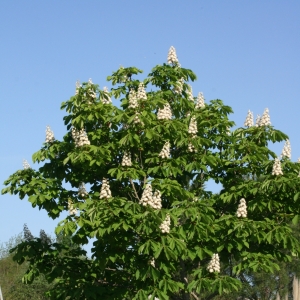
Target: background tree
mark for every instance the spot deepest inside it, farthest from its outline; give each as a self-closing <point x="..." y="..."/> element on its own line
<point x="11" y="273"/>
<point x="137" y="175"/>
<point x="27" y="233"/>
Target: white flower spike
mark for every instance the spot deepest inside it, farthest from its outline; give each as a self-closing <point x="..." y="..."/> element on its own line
<point x="242" y="209"/>
<point x="126" y="161"/>
<point x="265" y="118"/>
<point x="80" y="137"/>
<point x="165" y="113"/>
<point x="152" y="262"/>
<point x="49" y="135"/>
<point x="193" y="127"/>
<point x="106" y="99"/>
<point x="190" y="93"/>
<point x="277" y="167"/>
<point x="141" y="93"/>
<point x="228" y="131"/>
<point x="214" y="264"/>
<point x="78" y="86"/>
<point x="191" y="147"/>
<point x="165" y="225"/>
<point x="71" y="208"/>
<point x="172" y="57"/>
<point x="137" y="119"/>
<point x="147" y="195"/>
<point x="249" y="119"/>
<point x="153" y="201"/>
<point x="287" y="151"/>
<point x="82" y="190"/>
<point x="105" y="191"/>
<point x="132" y="99"/>
<point x="165" y="152"/>
<point x="257" y="121"/>
<point x="26" y="165"/>
<point x="156" y="200"/>
<point x="179" y="86"/>
<point x="200" y="101"/>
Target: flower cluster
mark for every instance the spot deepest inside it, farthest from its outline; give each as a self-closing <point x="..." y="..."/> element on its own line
<point x="126" y="161"/>
<point x="105" y="191"/>
<point x="179" y="86"/>
<point x="152" y="262"/>
<point x="152" y="200"/>
<point x="137" y="119"/>
<point x="132" y="99"/>
<point x="242" y="209"/>
<point x="165" y="225"/>
<point x="249" y="119"/>
<point x="26" y="165"/>
<point x="214" y="264"/>
<point x="265" y="118"/>
<point x="82" y="190"/>
<point x="71" y="208"/>
<point x="49" y="135"/>
<point x="228" y="131"/>
<point x="106" y="99"/>
<point x="165" y="113"/>
<point x="141" y="93"/>
<point x="172" y="57"/>
<point x="191" y="147"/>
<point x="156" y="200"/>
<point x="155" y="298"/>
<point x="165" y="152"/>
<point x="287" y="151"/>
<point x="78" y="86"/>
<point x="257" y="121"/>
<point x="147" y="195"/>
<point x="193" y="127"/>
<point x="200" y="101"/>
<point x="91" y="92"/>
<point x="190" y="93"/>
<point x="80" y="137"/>
<point x="277" y="167"/>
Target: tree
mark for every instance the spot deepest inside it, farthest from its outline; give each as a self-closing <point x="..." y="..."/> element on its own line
<point x="137" y="174"/>
<point x="27" y="233"/>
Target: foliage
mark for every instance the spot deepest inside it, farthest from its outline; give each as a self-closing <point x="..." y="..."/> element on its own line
<point x="131" y="257"/>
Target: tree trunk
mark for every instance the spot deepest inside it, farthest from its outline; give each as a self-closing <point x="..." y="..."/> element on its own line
<point x="295" y="288"/>
<point x="184" y="280"/>
<point x="277" y="296"/>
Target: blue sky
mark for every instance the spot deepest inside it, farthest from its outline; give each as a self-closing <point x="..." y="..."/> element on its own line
<point x="243" y="52"/>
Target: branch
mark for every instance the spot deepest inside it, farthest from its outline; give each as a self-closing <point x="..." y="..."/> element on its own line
<point x="109" y="269"/>
<point x="195" y="296"/>
<point x="142" y="166"/>
<point x="133" y="186"/>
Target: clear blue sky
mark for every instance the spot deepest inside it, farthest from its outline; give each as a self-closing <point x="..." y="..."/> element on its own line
<point x="243" y="52"/>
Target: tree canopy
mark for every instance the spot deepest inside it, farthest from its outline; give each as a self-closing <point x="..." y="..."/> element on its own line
<point x="133" y="176"/>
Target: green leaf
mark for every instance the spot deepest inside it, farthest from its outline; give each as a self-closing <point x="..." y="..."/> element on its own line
<point x="295" y="220"/>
